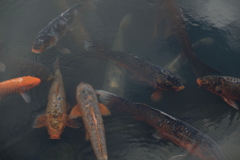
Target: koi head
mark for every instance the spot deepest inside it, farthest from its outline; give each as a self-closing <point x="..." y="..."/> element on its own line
<point x="168" y="81"/>
<point x="85" y="91"/>
<point x="43" y="43"/>
<point x="211" y="83"/>
<point x="29" y="82"/>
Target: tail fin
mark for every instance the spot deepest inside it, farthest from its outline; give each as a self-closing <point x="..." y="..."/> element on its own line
<point x="104" y="96"/>
<point x="94" y="46"/>
<point x="200" y="69"/>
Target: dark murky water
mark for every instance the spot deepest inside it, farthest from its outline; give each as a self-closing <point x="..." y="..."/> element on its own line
<point x="127" y="138"/>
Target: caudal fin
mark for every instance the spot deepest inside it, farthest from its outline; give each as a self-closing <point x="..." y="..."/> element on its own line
<point x="104" y="97"/>
<point x="200" y="69"/>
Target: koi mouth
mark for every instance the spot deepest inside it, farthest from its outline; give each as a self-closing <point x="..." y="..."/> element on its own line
<point x="36" y="51"/>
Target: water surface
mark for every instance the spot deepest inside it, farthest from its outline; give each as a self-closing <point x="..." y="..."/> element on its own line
<point x="126" y="137"/>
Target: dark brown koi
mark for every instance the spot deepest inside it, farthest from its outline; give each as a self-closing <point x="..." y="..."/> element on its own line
<point x="58" y="27"/>
<point x="159" y="78"/>
<point x="168" y="127"/>
<point x="226" y="87"/>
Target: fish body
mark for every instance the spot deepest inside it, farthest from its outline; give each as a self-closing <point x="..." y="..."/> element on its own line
<point x="19" y="85"/>
<point x="168" y="127"/>
<point x="159" y="78"/>
<point x="56" y="117"/>
<point x="58" y="27"/>
<point x="226" y="87"/>
<point x="175" y="22"/>
<point x="89" y="108"/>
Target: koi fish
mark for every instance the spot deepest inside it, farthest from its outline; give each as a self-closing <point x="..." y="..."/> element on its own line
<point x="226" y="87"/>
<point x="19" y="67"/>
<point x="19" y="85"/>
<point x="175" y="22"/>
<point x="56" y="29"/>
<point x="168" y="127"/>
<point x="90" y="110"/>
<point x="56" y="117"/>
<point x="159" y="78"/>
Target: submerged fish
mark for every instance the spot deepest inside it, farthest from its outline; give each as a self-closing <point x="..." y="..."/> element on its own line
<point x="90" y="111"/>
<point x="19" y="85"/>
<point x="159" y="78"/>
<point x="19" y="67"/>
<point x="175" y="22"/>
<point x="226" y="87"/>
<point x="179" y="61"/>
<point x="56" y="117"/>
<point x="168" y="127"/>
<point x="49" y="36"/>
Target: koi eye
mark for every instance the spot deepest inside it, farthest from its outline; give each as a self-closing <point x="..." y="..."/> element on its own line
<point x="168" y="84"/>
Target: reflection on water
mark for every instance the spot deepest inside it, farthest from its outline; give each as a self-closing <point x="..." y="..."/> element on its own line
<point x="126" y="137"/>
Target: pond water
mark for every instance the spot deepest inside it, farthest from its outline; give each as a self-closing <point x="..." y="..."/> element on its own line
<point x="126" y="25"/>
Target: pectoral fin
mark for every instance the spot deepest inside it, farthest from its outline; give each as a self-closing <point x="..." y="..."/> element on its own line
<point x="26" y="97"/>
<point x="40" y="121"/>
<point x="156" y="96"/>
<point x="104" y="110"/>
<point x="230" y="102"/>
<point x="73" y="123"/>
<point x="75" y="112"/>
<point x="168" y="32"/>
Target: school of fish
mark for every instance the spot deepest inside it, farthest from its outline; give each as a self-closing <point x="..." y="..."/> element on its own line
<point x="92" y="104"/>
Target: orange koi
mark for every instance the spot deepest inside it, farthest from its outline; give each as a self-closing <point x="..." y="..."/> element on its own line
<point x="19" y="85"/>
<point x="56" y="117"/>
